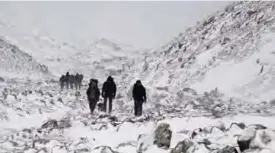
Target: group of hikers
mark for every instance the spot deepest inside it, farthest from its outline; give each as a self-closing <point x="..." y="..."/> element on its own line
<point x="71" y="81"/>
<point x="108" y="92"/>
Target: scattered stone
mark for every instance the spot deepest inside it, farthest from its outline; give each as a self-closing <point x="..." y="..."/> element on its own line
<point x="51" y="124"/>
<point x="163" y="135"/>
<point x="60" y="99"/>
<point x="228" y="149"/>
<point x="182" y="146"/>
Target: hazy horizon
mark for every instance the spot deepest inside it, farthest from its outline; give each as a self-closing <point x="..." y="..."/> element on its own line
<point x="141" y="24"/>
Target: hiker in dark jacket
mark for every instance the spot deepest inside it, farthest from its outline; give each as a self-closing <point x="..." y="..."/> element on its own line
<point x="67" y="78"/>
<point x="108" y="92"/>
<point x="77" y="81"/>
<point x="93" y="94"/>
<point x="139" y="95"/>
<point x="80" y="80"/>
<point x="71" y="81"/>
<point x="62" y="81"/>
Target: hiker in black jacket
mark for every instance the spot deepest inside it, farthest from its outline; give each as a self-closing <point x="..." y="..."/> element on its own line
<point x="139" y="95"/>
<point x="93" y="94"/>
<point x="108" y="92"/>
<point x="62" y="81"/>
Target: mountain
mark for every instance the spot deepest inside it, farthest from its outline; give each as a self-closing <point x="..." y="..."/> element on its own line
<point x="201" y="88"/>
<point x="102" y="58"/>
<point x="17" y="64"/>
<point x="231" y="51"/>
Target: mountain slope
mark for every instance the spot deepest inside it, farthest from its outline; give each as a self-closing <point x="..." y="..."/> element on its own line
<point x="221" y="52"/>
<point x="15" y="63"/>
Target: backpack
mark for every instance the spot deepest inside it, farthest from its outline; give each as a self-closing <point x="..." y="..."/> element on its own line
<point x="93" y="91"/>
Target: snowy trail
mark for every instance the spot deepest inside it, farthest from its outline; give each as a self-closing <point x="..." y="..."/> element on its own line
<point x="77" y="129"/>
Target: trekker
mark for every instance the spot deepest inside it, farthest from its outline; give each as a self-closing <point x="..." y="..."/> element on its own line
<point x="93" y="94"/>
<point x="108" y="92"/>
<point x="67" y="78"/>
<point x="80" y="80"/>
<point x="71" y="81"/>
<point x="77" y="81"/>
<point x="139" y="95"/>
<point x="62" y="81"/>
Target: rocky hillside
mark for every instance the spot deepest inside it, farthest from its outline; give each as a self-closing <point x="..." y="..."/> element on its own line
<point x="231" y="50"/>
<point x="16" y="64"/>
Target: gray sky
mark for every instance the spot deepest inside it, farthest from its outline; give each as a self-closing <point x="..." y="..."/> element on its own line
<point x="142" y="24"/>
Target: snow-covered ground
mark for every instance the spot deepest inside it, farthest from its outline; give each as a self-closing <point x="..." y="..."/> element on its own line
<point x="212" y="85"/>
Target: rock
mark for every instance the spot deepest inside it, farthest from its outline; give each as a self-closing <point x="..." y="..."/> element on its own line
<point x="64" y="123"/>
<point x="228" y="149"/>
<point x="60" y="100"/>
<point x="263" y="139"/>
<point x="51" y="124"/>
<point x="182" y="146"/>
<point x="163" y="135"/>
<point x="144" y="142"/>
<point x="245" y="138"/>
<point x="2" y="79"/>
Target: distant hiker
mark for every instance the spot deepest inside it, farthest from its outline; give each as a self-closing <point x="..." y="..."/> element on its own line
<point x="139" y="95"/>
<point x="93" y="94"/>
<point x="67" y="78"/>
<point x="62" y="81"/>
<point x="80" y="80"/>
<point x="77" y="81"/>
<point x="108" y="92"/>
<point x="71" y="81"/>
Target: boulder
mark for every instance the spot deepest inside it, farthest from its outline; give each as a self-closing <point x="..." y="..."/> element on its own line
<point x="228" y="149"/>
<point x="51" y="124"/>
<point x="245" y="138"/>
<point x="182" y="146"/>
<point x="163" y="135"/>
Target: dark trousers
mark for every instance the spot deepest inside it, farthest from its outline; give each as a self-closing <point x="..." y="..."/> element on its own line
<point x="72" y="85"/>
<point x="138" y="107"/>
<point x="62" y="85"/>
<point x="67" y="85"/>
<point x="92" y="105"/>
<point x="110" y="104"/>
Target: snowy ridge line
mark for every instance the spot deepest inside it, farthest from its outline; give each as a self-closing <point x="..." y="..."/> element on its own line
<point x="228" y="42"/>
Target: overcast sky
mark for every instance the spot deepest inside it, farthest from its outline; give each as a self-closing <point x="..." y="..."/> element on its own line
<point x="142" y="24"/>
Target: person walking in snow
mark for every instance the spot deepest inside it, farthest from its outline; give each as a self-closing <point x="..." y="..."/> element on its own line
<point x="77" y="81"/>
<point x="139" y="96"/>
<point x="62" y="81"/>
<point x="71" y="81"/>
<point x="80" y="80"/>
<point x="108" y="92"/>
<point x="93" y="94"/>
<point x="66" y="79"/>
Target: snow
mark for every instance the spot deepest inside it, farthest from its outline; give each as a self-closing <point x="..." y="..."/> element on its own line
<point x="201" y="90"/>
<point x="231" y="77"/>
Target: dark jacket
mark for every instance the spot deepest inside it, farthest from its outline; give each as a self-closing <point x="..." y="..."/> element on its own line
<point x="93" y="92"/>
<point x="139" y="92"/>
<point x="109" y="88"/>
<point x="62" y="79"/>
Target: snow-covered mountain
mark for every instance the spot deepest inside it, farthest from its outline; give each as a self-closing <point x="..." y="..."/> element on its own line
<point x="200" y="86"/>
<point x="101" y="58"/>
<point x="14" y="63"/>
<point x="232" y="50"/>
<point x="96" y="56"/>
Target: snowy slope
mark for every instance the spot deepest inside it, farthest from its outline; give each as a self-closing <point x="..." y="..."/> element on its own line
<point x="191" y="87"/>
<point x="62" y="56"/>
<point x="226" y="51"/>
<point x="14" y="63"/>
<point x="102" y="58"/>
